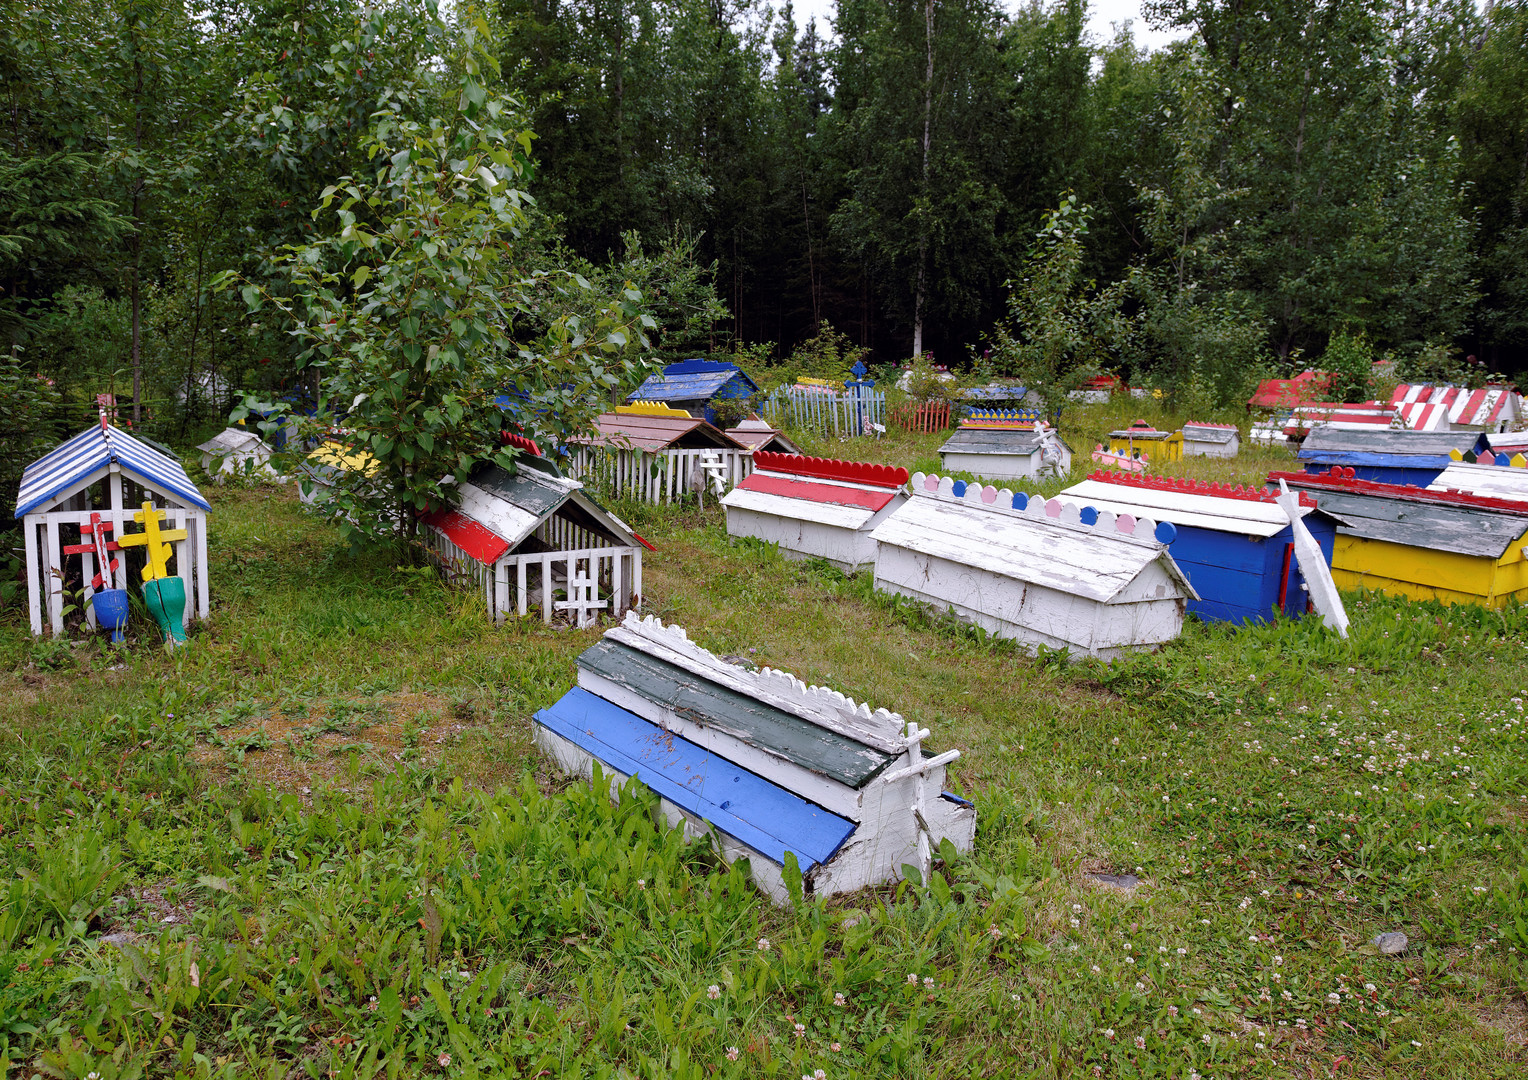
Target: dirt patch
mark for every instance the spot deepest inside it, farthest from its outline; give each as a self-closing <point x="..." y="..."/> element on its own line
<point x="336" y="743"/>
<point x="1510" y="1017"/>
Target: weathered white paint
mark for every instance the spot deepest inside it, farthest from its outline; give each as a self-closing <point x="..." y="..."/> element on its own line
<point x="804" y="529"/>
<point x="900" y="816"/>
<point x="1184" y="508"/>
<point x="1027" y="575"/>
<point x="659" y="476"/>
<point x="237" y="452"/>
<point x="1493" y="481"/>
<point x="1313" y="565"/>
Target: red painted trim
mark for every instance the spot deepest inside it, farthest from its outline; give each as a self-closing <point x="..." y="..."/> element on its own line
<point x="1206" y="423"/>
<point x="1192" y="487"/>
<point x="1289" y="550"/>
<point x="644" y="543"/>
<point x="519" y="442"/>
<point x="1342" y="479"/>
<point x="482" y="543"/>
<point x="855" y="472"/>
<point x="818" y="493"/>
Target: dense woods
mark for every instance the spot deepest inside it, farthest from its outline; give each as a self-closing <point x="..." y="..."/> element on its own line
<point x="943" y="176"/>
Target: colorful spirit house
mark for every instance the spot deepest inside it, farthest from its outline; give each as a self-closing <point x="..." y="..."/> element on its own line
<point x="1235" y="544"/>
<point x="1006" y="445"/>
<point x="1428" y="545"/>
<point x="655" y="453"/>
<point x="1141" y="440"/>
<point x="1202" y="439"/>
<point x="1386" y="456"/>
<point x="1496" y="476"/>
<point x="1052" y="574"/>
<point x="105" y="478"/>
<point x="694" y="386"/>
<point x="535" y="535"/>
<point x="756" y="434"/>
<point x="757" y="762"/>
<point x="815" y="507"/>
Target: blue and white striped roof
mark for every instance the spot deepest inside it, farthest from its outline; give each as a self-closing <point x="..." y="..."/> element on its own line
<point x="88" y="455"/>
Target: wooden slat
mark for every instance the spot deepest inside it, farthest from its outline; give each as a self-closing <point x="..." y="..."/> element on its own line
<point x="747" y="719"/>
<point x="792" y="509"/>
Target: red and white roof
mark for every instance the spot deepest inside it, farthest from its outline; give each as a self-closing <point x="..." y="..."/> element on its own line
<point x="846" y="494"/>
<point x="1342" y="416"/>
<point x="1441" y="408"/>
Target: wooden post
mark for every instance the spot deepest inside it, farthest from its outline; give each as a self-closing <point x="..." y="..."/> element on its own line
<point x="55" y="579"/>
<point x="34" y="582"/>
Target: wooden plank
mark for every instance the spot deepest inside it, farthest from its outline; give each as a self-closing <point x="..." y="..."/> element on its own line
<point x="792" y="509"/>
<point x="1461" y="530"/>
<point x="833" y="755"/>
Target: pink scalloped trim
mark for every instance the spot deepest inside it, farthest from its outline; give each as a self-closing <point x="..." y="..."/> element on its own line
<point x="854" y="472"/>
<point x="1192" y="487"/>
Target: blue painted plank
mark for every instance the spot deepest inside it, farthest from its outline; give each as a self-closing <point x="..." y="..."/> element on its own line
<point x="750" y="809"/>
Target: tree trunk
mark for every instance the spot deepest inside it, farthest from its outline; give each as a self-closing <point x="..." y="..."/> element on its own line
<point x="928" y="121"/>
<point x="137" y="240"/>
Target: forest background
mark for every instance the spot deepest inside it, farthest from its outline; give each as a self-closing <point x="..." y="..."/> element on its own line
<point x="1292" y="182"/>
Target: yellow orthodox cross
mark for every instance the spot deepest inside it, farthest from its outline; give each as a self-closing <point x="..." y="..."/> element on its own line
<point x="155" y="541"/>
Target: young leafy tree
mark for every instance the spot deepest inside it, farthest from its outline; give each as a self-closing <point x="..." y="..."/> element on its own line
<point x="407" y="305"/>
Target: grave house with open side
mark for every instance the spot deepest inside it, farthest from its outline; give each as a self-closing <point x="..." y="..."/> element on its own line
<point x="1051" y="574"/>
<point x="1201" y="439"/>
<point x="1006" y="445"/>
<point x="536" y="536"/>
<point x="1235" y="544"/>
<point x="759" y="763"/>
<point x="695" y="386"/>
<point x="1428" y="545"/>
<point x="105" y="474"/>
<point x="815" y="507"/>
<point x="1496" y="476"/>
<point x="654" y="453"/>
<point x="1386" y="456"/>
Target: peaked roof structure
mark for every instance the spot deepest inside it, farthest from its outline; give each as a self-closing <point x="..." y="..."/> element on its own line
<point x="1080" y="551"/>
<point x="1224" y="507"/>
<point x="1201" y="431"/>
<point x="1436" y="408"/>
<point x="641" y="430"/>
<point x="1328" y="445"/>
<point x="1285" y="393"/>
<point x="499" y="510"/>
<point x="89" y="456"/>
<point x="756" y="434"/>
<point x="691" y="380"/>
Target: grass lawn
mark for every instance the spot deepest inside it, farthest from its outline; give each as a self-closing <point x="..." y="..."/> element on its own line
<point x="318" y="841"/>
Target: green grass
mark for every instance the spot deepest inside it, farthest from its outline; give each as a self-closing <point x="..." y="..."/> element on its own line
<point x="325" y="845"/>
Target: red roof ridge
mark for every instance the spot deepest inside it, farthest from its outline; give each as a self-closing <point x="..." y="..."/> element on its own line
<point x="1341" y="478"/>
<point x="1191" y="487"/>
<point x="519" y="442"/>
<point x="1208" y="423"/>
<point x="854" y="472"/>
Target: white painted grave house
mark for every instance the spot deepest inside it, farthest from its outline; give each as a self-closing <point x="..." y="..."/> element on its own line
<point x="1202" y="439"/>
<point x="757" y="762"/>
<point x="536" y="534"/>
<point x="1033" y="571"/>
<point x="106" y="471"/>
<point x="815" y="507"/>
<point x="237" y="452"/>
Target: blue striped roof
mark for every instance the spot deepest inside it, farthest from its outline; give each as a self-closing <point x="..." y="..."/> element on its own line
<point x="91" y="452"/>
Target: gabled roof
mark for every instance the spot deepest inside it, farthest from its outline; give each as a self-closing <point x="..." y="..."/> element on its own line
<point x="1197" y="431"/>
<point x="89" y="455"/>
<point x="757" y="434"/>
<point x="1326" y="445"/>
<point x="1492" y="481"/>
<point x="1284" y="393"/>
<point x="841" y="493"/>
<point x="1030" y="540"/>
<point x="691" y="380"/>
<point x="987" y="440"/>
<point x="1428" y="408"/>
<point x="634" y="431"/>
<point x="231" y="440"/>
<point x="1416" y="517"/>
<point x="1221" y="507"/>
<point x="499" y="510"/>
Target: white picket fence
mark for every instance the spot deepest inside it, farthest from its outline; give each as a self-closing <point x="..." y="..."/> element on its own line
<point x="659" y="476"/>
<point x="832" y="412"/>
<point x="593" y="580"/>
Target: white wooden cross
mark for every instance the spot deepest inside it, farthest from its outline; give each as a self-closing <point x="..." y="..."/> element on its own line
<point x="583" y="598"/>
<point x="714" y="470"/>
<point x="918" y="768"/>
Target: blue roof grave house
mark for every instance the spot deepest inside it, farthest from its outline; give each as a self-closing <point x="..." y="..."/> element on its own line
<point x="106" y="474"/>
<point x="693" y="385"/>
<point x="1387" y="456"/>
<point x="757" y="762"/>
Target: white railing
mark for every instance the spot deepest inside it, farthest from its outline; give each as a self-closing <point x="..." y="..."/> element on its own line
<point x="832" y="412"/>
<point x="592" y="580"/>
<point x="659" y="476"/>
